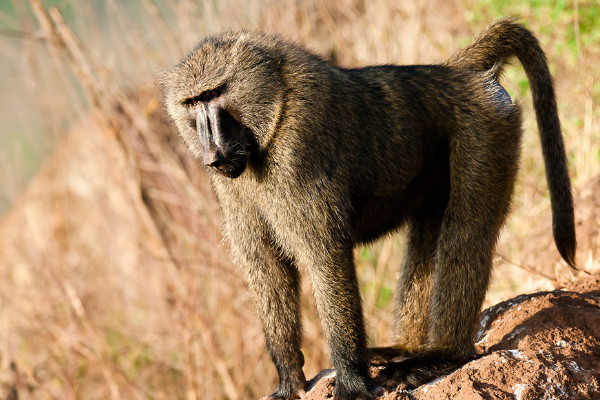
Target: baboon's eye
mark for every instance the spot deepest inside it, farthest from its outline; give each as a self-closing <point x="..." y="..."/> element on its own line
<point x="191" y="102"/>
<point x="203" y="97"/>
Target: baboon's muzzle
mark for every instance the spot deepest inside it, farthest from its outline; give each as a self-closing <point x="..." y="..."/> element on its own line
<point x="224" y="140"/>
<point x="230" y="167"/>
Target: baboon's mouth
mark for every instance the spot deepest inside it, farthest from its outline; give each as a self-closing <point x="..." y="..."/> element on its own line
<point x="231" y="167"/>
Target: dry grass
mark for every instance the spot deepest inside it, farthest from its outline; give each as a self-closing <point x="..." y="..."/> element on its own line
<point x="114" y="283"/>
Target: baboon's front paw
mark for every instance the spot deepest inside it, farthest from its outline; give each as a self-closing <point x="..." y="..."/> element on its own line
<point x="280" y="395"/>
<point x="287" y="392"/>
<point x="358" y="388"/>
<point x="353" y="395"/>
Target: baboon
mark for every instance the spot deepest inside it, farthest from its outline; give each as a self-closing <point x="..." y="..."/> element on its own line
<point x="309" y="160"/>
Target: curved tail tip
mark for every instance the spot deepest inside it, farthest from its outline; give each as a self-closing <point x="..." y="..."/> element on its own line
<point x="569" y="257"/>
<point x="566" y="243"/>
<point x="567" y="252"/>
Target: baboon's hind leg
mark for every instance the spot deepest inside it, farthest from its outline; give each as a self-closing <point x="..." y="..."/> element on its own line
<point x="482" y="175"/>
<point x="415" y="284"/>
<point x="484" y="164"/>
<point x="414" y="288"/>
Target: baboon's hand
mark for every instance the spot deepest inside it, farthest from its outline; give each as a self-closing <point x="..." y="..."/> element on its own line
<point x="279" y="394"/>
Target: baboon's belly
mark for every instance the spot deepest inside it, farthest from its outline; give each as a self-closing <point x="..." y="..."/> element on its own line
<point x="376" y="216"/>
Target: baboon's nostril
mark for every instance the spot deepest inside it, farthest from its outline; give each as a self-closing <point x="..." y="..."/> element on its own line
<point x="213" y="158"/>
<point x="216" y="163"/>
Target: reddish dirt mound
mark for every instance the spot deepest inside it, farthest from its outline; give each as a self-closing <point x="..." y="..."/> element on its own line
<point x="544" y="345"/>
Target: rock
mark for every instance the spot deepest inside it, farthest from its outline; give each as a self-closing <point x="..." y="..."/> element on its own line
<point x="544" y="345"/>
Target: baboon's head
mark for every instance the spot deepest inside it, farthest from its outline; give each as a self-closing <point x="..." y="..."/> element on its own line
<point x="225" y="98"/>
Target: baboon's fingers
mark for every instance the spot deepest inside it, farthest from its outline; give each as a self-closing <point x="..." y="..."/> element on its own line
<point x="277" y="395"/>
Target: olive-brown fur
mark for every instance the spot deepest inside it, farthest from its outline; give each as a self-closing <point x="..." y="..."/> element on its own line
<point x="338" y="157"/>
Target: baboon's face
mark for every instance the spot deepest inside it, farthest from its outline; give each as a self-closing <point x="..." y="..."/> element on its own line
<point x="224" y="98"/>
<point x="225" y="143"/>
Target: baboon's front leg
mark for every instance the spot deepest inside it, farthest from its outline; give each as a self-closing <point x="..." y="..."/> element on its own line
<point x="338" y="301"/>
<point x="275" y="283"/>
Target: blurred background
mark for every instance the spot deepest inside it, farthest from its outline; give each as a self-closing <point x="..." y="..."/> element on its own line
<point x="114" y="283"/>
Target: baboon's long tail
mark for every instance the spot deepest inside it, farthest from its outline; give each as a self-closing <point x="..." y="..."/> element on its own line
<point x="490" y="50"/>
